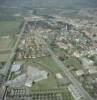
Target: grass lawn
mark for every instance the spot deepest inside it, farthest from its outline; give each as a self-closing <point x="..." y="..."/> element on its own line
<point x="73" y="62"/>
<point x="9" y="27"/>
<point x="49" y="63"/>
<point x="49" y="83"/>
<point x="31" y="63"/>
<point x="58" y="51"/>
<point x="45" y="63"/>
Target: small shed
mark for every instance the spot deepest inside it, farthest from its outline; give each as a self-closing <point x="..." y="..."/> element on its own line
<point x="59" y="76"/>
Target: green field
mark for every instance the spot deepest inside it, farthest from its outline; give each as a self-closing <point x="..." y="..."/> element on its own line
<point x="49" y="63"/>
<point x="67" y="94"/>
<point x="45" y="63"/>
<point x="73" y="62"/>
<point x="9" y="27"/>
<point x="50" y="83"/>
<point x="4" y="57"/>
<point x="7" y="42"/>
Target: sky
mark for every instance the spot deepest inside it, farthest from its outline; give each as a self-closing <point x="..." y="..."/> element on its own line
<point x="50" y="3"/>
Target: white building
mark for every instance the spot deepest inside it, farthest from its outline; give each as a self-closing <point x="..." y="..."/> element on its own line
<point x="59" y="76"/>
<point x="79" y="72"/>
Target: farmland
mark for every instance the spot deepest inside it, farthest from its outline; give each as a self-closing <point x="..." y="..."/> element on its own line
<point x="9" y="27"/>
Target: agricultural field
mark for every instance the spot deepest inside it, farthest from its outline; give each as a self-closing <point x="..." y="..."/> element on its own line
<point x="9" y="27"/>
<point x="7" y="42"/>
<point x="8" y="36"/>
<point x="4" y="57"/>
<point x="6" y="45"/>
<point x="46" y="94"/>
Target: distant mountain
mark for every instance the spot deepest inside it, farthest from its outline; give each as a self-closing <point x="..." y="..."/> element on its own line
<point x="50" y="3"/>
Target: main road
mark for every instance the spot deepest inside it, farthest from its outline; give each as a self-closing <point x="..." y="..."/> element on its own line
<point x="74" y="81"/>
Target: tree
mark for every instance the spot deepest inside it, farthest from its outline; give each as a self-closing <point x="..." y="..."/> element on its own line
<point x="94" y="35"/>
<point x="61" y="58"/>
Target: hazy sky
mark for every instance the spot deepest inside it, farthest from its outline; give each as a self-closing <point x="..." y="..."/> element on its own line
<point x="51" y="3"/>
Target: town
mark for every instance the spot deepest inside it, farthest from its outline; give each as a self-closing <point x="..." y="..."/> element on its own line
<point x="52" y="58"/>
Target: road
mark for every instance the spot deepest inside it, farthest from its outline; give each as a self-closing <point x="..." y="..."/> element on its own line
<point x="74" y="81"/>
